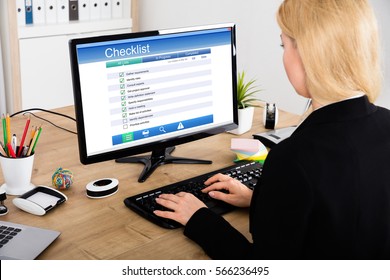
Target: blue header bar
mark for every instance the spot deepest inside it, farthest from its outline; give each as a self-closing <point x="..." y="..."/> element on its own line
<point x="152" y="45"/>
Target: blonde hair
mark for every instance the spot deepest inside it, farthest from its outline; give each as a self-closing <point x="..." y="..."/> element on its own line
<point x="338" y="44"/>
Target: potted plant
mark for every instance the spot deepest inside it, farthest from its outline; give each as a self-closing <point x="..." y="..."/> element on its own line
<point x="246" y="102"/>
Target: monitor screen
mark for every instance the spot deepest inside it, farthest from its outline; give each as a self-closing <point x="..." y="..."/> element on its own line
<point x="150" y="91"/>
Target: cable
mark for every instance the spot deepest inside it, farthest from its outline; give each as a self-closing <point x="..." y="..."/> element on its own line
<point x="27" y="111"/>
<point x="44" y="110"/>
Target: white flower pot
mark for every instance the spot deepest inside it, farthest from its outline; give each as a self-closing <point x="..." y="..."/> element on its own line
<point x="245" y="120"/>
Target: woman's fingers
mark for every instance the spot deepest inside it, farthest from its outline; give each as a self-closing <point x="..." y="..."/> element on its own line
<point x="183" y="206"/>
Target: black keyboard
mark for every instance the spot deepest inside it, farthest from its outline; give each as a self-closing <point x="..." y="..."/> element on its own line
<point x="247" y="172"/>
<point x="7" y="233"/>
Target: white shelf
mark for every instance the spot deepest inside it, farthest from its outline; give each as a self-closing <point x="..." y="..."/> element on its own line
<point x="76" y="27"/>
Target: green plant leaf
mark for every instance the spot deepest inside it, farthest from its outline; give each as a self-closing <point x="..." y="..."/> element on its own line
<point x="246" y="91"/>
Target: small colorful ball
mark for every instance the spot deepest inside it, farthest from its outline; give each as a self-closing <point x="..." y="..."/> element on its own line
<point x="62" y="178"/>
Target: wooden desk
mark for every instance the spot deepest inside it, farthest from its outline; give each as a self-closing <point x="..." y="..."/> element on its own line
<point x="106" y="228"/>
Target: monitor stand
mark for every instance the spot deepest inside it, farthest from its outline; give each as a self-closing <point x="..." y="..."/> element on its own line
<point x="157" y="158"/>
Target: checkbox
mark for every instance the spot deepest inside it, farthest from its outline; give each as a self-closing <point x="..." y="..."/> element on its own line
<point x="122" y="80"/>
<point x="121" y="74"/>
<point x="122" y="86"/>
<point x="124" y="115"/>
<point x="124" y="109"/>
<point x="123" y="91"/>
<point x="124" y="103"/>
<point x="123" y="98"/>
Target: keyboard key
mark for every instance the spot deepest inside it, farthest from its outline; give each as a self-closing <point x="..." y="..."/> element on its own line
<point x="7" y="233"/>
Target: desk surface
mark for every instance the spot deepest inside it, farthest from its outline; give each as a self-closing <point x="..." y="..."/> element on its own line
<point x="105" y="228"/>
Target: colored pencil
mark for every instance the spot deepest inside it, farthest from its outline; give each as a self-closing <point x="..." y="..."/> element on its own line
<point x="23" y="137"/>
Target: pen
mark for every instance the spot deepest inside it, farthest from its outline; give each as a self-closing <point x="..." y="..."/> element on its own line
<point x="25" y="150"/>
<point x="23" y="137"/>
<point x="14" y="142"/>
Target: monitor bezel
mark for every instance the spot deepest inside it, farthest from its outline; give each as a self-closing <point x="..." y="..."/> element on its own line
<point x="161" y="144"/>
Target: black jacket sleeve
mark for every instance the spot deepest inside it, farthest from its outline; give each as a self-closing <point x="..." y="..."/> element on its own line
<point x="216" y="236"/>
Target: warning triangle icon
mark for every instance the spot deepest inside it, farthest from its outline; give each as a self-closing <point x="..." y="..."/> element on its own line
<point x="180" y="126"/>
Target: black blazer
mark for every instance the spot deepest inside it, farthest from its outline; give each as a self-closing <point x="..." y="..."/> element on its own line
<point x="324" y="193"/>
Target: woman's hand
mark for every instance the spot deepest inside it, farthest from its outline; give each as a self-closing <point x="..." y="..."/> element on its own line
<point x="182" y="204"/>
<point x="237" y="193"/>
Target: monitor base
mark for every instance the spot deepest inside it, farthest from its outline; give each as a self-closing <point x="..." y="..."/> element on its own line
<point x="157" y="158"/>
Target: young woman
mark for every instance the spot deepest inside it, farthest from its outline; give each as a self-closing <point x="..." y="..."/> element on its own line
<point x="325" y="191"/>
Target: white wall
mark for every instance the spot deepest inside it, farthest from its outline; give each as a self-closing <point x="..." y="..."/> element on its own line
<point x="6" y="57"/>
<point x="258" y="41"/>
<point x="382" y="11"/>
<point x="2" y="89"/>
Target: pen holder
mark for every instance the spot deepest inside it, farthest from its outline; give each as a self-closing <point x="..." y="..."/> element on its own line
<point x="17" y="174"/>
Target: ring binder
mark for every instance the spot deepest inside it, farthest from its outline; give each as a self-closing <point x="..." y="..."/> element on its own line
<point x="39" y="11"/>
<point x="117" y="8"/>
<point x="51" y="11"/>
<point x="95" y="9"/>
<point x="105" y="9"/>
<point x="73" y="10"/>
<point x="29" y="11"/>
<point x="84" y="9"/>
<point x="21" y="12"/>
<point x="62" y="11"/>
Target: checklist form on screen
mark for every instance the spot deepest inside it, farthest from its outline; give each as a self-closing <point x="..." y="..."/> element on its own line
<point x="145" y="88"/>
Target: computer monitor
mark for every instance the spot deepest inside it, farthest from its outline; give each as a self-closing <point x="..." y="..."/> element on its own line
<point x="150" y="91"/>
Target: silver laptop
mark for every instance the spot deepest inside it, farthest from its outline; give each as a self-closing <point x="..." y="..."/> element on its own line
<point x="22" y="242"/>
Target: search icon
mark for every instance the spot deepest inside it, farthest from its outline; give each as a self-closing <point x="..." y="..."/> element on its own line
<point x="162" y="129"/>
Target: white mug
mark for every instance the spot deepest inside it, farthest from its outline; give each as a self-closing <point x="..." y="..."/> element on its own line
<point x="17" y="174"/>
